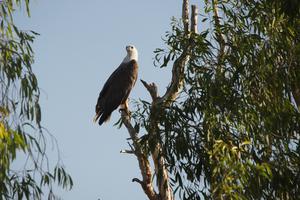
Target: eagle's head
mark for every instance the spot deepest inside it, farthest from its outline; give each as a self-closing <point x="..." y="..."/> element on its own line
<point x="132" y="54"/>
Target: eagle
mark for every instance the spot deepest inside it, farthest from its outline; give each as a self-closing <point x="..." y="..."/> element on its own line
<point x="118" y="86"/>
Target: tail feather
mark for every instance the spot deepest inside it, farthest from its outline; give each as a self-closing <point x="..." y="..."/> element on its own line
<point x="96" y="117"/>
<point x="104" y="117"/>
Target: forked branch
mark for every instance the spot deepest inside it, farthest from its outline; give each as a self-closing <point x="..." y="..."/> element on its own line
<point x="143" y="161"/>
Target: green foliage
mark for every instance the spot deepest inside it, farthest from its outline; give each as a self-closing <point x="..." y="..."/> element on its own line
<point x="21" y="133"/>
<point x="234" y="131"/>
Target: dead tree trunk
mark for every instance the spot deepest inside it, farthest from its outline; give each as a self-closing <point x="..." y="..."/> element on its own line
<point x="164" y="190"/>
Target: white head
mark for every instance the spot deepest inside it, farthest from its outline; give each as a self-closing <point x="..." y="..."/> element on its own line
<point x="132" y="54"/>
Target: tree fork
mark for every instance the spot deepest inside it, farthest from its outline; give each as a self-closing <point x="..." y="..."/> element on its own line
<point x="143" y="161"/>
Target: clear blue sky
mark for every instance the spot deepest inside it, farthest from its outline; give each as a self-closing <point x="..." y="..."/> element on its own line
<point x="81" y="43"/>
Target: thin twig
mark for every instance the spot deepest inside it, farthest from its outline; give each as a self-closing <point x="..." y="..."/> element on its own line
<point x="127" y="151"/>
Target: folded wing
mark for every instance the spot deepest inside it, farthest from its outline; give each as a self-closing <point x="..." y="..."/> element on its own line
<point x="116" y="90"/>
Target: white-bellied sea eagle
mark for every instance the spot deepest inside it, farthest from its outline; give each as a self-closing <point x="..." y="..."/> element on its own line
<point x="118" y="86"/>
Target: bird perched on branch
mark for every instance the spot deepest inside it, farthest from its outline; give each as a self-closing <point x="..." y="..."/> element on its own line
<point x="117" y="88"/>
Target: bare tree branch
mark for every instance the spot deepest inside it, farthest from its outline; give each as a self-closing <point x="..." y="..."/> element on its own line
<point x="194" y="19"/>
<point x="185" y="15"/>
<point x="152" y="89"/>
<point x="127" y="151"/>
<point x="144" y="164"/>
<point x="165" y="191"/>
<point x="219" y="35"/>
<point x="177" y="79"/>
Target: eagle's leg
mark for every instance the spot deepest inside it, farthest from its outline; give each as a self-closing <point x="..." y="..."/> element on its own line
<point x="124" y="107"/>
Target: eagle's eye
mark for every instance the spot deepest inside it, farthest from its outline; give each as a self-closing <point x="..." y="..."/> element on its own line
<point x="131" y="47"/>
